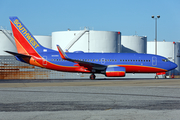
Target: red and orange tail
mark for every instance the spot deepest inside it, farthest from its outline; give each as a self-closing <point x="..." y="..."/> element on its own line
<point x="25" y="42"/>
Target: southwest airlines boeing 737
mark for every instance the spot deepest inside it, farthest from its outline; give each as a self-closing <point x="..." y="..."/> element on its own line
<point x="109" y="64"/>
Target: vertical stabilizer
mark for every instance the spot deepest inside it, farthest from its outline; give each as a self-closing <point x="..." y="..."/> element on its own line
<point x="25" y="41"/>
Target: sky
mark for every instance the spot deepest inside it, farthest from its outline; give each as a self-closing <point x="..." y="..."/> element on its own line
<point x="130" y="17"/>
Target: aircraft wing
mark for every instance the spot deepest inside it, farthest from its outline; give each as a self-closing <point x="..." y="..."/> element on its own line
<point x="90" y="65"/>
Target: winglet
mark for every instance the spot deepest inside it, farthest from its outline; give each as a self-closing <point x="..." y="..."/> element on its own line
<point x="61" y="52"/>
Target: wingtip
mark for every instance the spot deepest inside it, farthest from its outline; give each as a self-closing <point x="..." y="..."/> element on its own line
<point x="58" y="47"/>
<point x="61" y="52"/>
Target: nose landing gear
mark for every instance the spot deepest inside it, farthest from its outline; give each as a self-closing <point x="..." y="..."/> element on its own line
<point x="92" y="77"/>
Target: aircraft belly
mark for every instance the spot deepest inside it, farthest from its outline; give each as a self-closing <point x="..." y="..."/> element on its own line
<point x="142" y="69"/>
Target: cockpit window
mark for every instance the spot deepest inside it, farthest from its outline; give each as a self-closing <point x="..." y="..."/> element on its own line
<point x="165" y="60"/>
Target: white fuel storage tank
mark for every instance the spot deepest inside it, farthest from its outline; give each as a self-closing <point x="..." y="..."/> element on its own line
<point x="134" y="44"/>
<point x="44" y="40"/>
<point x="6" y="44"/>
<point x="87" y="41"/>
<point x="177" y="57"/>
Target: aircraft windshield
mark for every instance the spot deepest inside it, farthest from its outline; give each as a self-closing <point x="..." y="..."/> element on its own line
<point x="165" y="60"/>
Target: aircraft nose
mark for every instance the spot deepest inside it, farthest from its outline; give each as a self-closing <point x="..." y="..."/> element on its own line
<point x="173" y="65"/>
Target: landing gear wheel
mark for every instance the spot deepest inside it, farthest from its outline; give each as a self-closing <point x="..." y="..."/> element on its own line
<point x="156" y="77"/>
<point x="92" y="77"/>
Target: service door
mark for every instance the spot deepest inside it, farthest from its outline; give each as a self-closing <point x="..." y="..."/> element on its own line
<point x="154" y="61"/>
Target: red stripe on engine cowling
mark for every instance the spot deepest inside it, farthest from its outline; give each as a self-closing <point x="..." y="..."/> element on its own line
<point x="115" y="74"/>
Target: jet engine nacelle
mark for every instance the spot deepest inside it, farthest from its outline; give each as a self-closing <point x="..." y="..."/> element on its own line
<point x="115" y="72"/>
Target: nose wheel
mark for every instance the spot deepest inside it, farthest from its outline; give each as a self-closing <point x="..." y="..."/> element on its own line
<point x="92" y="77"/>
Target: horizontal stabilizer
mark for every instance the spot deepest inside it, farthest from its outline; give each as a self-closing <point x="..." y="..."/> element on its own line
<point x="21" y="57"/>
<point x="17" y="54"/>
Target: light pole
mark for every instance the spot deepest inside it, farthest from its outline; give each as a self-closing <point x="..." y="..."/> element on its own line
<point x="158" y="16"/>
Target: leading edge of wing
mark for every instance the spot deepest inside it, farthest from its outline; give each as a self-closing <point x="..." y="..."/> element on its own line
<point x="81" y="63"/>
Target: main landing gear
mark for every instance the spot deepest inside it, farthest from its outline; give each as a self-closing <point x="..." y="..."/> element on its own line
<point x="92" y="77"/>
<point x="156" y="77"/>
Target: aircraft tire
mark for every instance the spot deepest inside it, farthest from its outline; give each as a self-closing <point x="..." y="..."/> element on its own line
<point x="92" y="77"/>
<point x="156" y="77"/>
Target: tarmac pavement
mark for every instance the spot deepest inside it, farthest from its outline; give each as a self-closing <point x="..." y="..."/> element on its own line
<point x="90" y="100"/>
